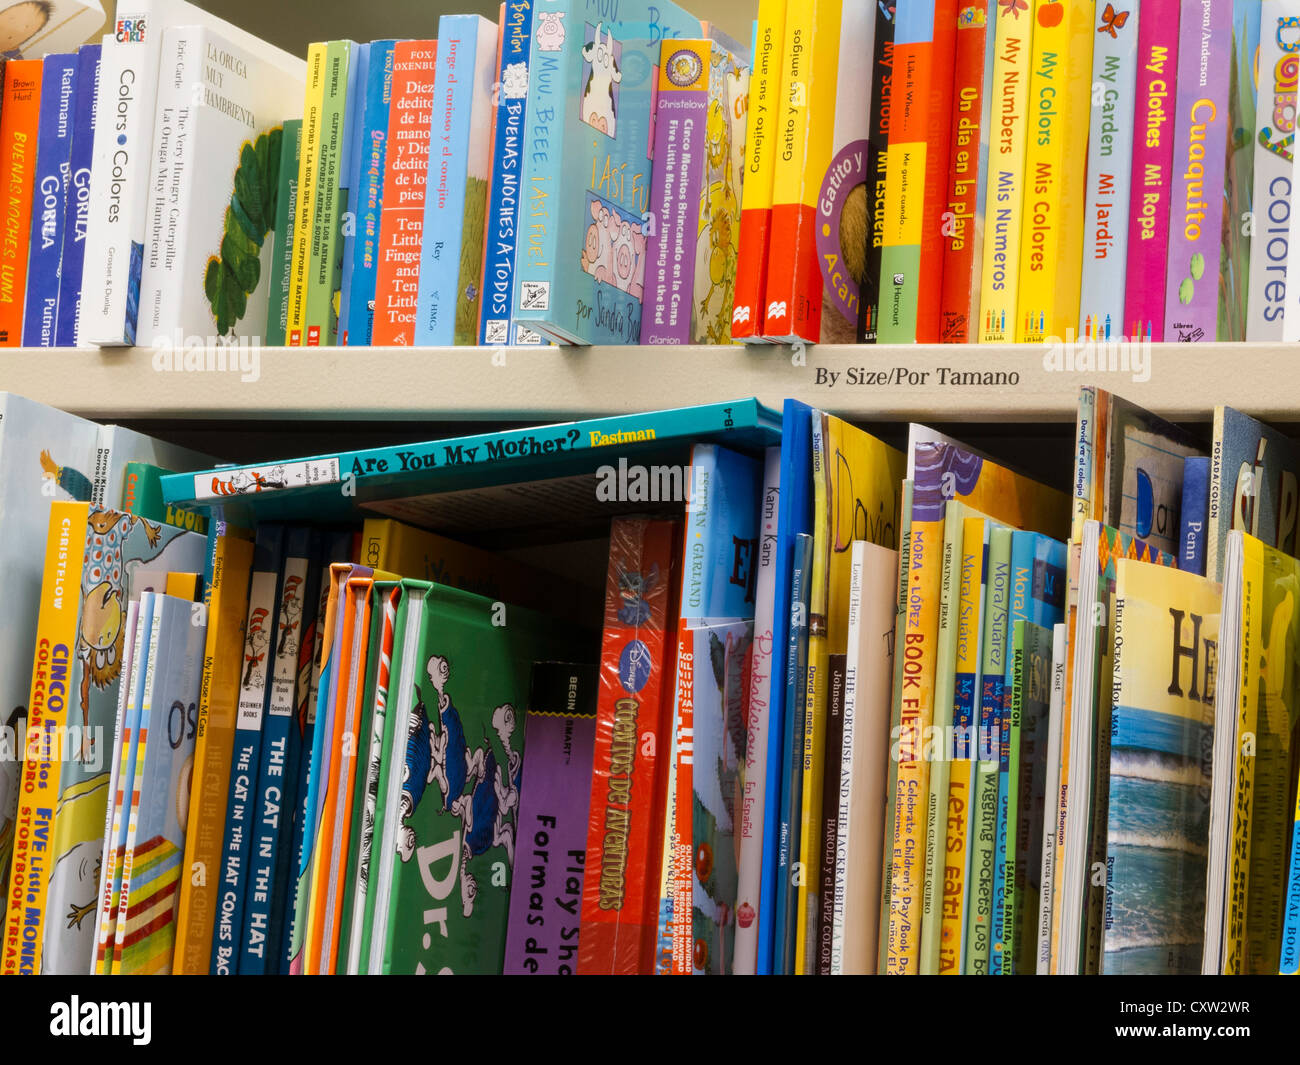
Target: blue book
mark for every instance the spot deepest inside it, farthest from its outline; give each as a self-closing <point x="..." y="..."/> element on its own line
<point x="77" y="203"/>
<point x="279" y="757"/>
<point x="455" y="199"/>
<point x="796" y="670"/>
<point x="1037" y="594"/>
<point x="794" y="516"/>
<point x="504" y="199"/>
<point x="49" y="197"/>
<point x="332" y="486"/>
<point x="366" y="189"/>
<point x="580" y="272"/>
<point x="245" y="762"/>
<point x="1194" y="514"/>
<point x="350" y="172"/>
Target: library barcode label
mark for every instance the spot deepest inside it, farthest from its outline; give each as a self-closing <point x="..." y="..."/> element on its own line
<point x="535" y="296"/>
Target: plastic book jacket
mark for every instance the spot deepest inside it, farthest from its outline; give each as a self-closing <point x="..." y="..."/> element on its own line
<point x="1161" y="737"/>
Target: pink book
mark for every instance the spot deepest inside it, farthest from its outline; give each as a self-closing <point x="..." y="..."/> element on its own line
<point x="1153" y="155"/>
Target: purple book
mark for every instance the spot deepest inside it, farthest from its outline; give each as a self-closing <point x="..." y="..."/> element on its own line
<point x="681" y="117"/>
<point x="554" y="794"/>
<point x="1200" y="144"/>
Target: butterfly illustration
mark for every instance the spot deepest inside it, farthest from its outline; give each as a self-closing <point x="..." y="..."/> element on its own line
<point x="1013" y="7"/>
<point x="1112" y="21"/>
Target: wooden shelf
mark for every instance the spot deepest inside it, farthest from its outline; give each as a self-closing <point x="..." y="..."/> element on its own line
<point x="865" y="383"/>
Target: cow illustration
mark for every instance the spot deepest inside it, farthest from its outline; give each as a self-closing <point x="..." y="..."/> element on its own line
<point x="598" y="100"/>
<point x="550" y="31"/>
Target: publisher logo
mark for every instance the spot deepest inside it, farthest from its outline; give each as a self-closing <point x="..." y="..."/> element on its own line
<point x="129" y="30"/>
<point x="683" y="67"/>
<point x="634" y="666"/>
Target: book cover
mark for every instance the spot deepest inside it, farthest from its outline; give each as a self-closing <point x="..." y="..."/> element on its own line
<point x="967" y="183"/>
<point x="581" y="277"/>
<point x="882" y="79"/>
<point x="50" y="185"/>
<point x="455" y="205"/>
<point x="142" y="495"/>
<point x="1253" y="486"/>
<point x="1157" y="825"/>
<point x="1004" y="200"/>
<point x="1051" y="247"/>
<point x="145" y="934"/>
<point x="1200" y="146"/>
<point x="286" y="214"/>
<point x="305" y="208"/>
<point x="77" y="195"/>
<point x="329" y="197"/>
<point x="1153" y="175"/>
<point x="32" y="30"/>
<point x="763" y="119"/>
<point x="1239" y="196"/>
<point x="1110" y="170"/>
<point x="559" y="742"/>
<point x="1194" y="514"/>
<point x="213" y="188"/>
<point x="19" y="121"/>
<point x="620" y="896"/>
<point x="410" y="115"/>
<point x="925" y="42"/>
<point x="454" y="833"/>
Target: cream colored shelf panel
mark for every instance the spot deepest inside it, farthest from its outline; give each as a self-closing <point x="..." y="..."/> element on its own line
<point x="940" y="383"/>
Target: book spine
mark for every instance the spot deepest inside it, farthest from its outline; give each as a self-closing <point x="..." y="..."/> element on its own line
<point x="1238" y="185"/>
<point x="829" y="836"/>
<point x="505" y="200"/>
<point x="1005" y="917"/>
<point x="1004" y="201"/>
<point x="1289" y="961"/>
<point x="350" y="169"/>
<point x="1273" y="161"/>
<point x="1047" y="876"/>
<point x="675" y="185"/>
<point x="19" y="121"/>
<point x="972" y="99"/>
<point x="792" y="298"/>
<point x="925" y="42"/>
<point x="1110" y="169"/>
<point x="77" y="209"/>
<point x="236" y="843"/>
<point x="882" y="81"/>
<point x="759" y="738"/>
<point x="50" y="192"/>
<point x="328" y="203"/>
<point x="1084" y="460"/>
<point x="455" y="108"/>
<point x="1152" y="182"/>
<point x="305" y="210"/>
<point x="119" y="189"/>
<point x="56" y="641"/>
<point x="622" y="869"/>
<point x="762" y="122"/>
<point x="1051" y="245"/>
<point x="286" y="213"/>
<point x="1193" y="514"/>
<point x="402" y="219"/>
<point x="1200" y="146"/>
<point x="675" y="935"/>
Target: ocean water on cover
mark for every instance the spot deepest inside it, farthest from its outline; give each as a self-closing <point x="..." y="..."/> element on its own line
<point x="1157" y="830"/>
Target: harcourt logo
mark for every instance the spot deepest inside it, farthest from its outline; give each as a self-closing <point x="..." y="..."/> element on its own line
<point x="776" y="309"/>
<point x="646" y="484"/>
<point x="740" y="314"/>
<point x="132" y="1020"/>
<point x="195" y="354"/>
<point x="1091" y="355"/>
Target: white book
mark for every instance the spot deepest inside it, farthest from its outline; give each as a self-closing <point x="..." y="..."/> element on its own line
<point x="1048" y="867"/>
<point x="124" y="137"/>
<point x="207" y="252"/>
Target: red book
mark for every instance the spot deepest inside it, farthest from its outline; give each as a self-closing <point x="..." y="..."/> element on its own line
<point x="410" y="121"/>
<point x="620" y="892"/>
<point x="938" y="143"/>
<point x="19" y="116"/>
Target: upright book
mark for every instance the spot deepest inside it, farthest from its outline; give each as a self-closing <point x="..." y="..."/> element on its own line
<point x="20" y="110"/>
<point x="77" y="210"/>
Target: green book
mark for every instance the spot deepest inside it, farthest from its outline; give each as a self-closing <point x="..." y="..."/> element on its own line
<point x="984" y="793"/>
<point x="324" y="262"/>
<point x="439" y="897"/>
<point x="142" y="496"/>
<point x="286" y="211"/>
<point x="1031" y="650"/>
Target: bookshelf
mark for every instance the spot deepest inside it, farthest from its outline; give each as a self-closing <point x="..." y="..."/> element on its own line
<point x="455" y="385"/>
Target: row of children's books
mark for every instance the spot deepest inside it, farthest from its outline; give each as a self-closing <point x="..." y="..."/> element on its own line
<point x="806" y="703"/>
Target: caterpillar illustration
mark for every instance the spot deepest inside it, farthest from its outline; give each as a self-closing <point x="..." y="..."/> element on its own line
<point x="231" y="276"/>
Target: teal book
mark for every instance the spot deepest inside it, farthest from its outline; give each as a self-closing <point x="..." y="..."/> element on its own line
<point x="456" y="188"/>
<point x="286" y="208"/>
<point x="450" y="817"/>
<point x="581" y="261"/>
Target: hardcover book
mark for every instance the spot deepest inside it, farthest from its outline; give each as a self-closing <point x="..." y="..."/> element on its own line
<point x="1272" y="156"/>
<point x="882" y="80"/>
<point x="19" y="122"/>
<point x="286" y="214"/>
<point x="34" y="30"/>
<point x="77" y="209"/>
<point x="1239" y="195"/>
<point x="329" y="194"/>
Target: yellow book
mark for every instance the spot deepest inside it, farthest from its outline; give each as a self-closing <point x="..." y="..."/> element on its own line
<point x="304" y="215"/>
<point x="183" y="585"/>
<point x="1004" y="205"/>
<point x="1051" y="243"/>
<point x="213" y="747"/>
<point x="857" y="483"/>
<point x="47" y="716"/>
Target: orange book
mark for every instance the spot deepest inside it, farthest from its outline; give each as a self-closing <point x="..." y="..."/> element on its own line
<point x="410" y="119"/>
<point x="19" y="116"/>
